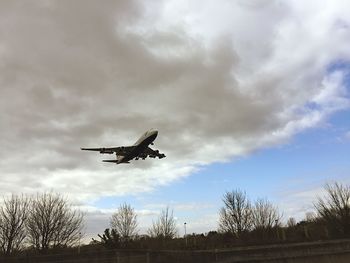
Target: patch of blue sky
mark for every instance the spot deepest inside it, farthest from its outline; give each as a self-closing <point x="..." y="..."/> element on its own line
<point x="341" y="120"/>
<point x="340" y="65"/>
<point x="344" y="67"/>
<point x="309" y="160"/>
<point x="310" y="106"/>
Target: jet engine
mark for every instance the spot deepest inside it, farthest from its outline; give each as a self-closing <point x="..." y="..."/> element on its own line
<point x="103" y="150"/>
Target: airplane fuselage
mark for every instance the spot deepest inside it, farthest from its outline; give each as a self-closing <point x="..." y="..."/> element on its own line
<point x="140" y="145"/>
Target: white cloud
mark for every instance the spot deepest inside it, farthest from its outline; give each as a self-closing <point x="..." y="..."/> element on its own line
<point x="298" y="197"/>
<point x="98" y="219"/>
<point x="176" y="206"/>
<point x="298" y="203"/>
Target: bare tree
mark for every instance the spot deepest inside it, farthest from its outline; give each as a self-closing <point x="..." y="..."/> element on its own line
<point x="236" y="215"/>
<point x="165" y="226"/>
<point x="124" y="222"/>
<point x="52" y="222"/>
<point x="310" y="216"/>
<point x="291" y="222"/>
<point x="334" y="208"/>
<point x="265" y="215"/>
<point x="13" y="214"/>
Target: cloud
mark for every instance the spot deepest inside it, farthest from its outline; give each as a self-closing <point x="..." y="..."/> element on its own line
<point x="347" y="136"/>
<point x="218" y="81"/>
<point x="297" y="198"/>
<point x="176" y="206"/>
<point x="97" y="220"/>
<point x="298" y="203"/>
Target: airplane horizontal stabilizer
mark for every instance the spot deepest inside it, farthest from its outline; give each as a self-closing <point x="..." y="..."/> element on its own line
<point x="113" y="161"/>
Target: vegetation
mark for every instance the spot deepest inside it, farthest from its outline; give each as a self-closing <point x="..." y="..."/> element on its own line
<point x="47" y="221"/>
<point x="109" y="239"/>
<point x="124" y="222"/>
<point x="13" y="215"/>
<point x="52" y="222"/>
<point x="236" y="215"/>
<point x="165" y="226"/>
<point x="265" y="217"/>
<point x="334" y="209"/>
<point x="239" y="216"/>
<point x="41" y="222"/>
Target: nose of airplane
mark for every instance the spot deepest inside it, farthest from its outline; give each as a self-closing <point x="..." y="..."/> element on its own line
<point x="152" y="133"/>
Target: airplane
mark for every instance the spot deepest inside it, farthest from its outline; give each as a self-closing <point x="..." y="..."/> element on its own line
<point x="140" y="149"/>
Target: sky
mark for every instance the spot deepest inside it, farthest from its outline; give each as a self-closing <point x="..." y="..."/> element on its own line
<point x="250" y="95"/>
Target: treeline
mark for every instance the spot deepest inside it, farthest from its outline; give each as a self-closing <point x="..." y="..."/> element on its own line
<point x="241" y="222"/>
<point x="48" y="222"/>
<point x="40" y="223"/>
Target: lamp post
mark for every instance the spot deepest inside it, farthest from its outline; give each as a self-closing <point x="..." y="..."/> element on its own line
<point x="79" y="243"/>
<point x="277" y="232"/>
<point x="185" y="236"/>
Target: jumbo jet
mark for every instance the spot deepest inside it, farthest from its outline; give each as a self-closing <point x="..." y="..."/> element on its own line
<point x="140" y="149"/>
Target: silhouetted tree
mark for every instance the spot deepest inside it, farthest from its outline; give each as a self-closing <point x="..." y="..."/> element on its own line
<point x="124" y="221"/>
<point x="310" y="216"/>
<point x="52" y="222"/>
<point x="13" y="214"/>
<point x="291" y="222"/>
<point x="165" y="226"/>
<point x="236" y="215"/>
<point x="334" y="208"/>
<point x="109" y="239"/>
<point x="265" y="215"/>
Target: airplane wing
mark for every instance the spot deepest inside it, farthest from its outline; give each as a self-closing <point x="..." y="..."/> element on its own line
<point x="153" y="153"/>
<point x="122" y="151"/>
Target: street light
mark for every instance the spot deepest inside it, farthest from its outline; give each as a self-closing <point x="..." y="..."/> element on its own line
<point x="79" y="243"/>
<point x="185" y="236"/>
<point x="277" y="232"/>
